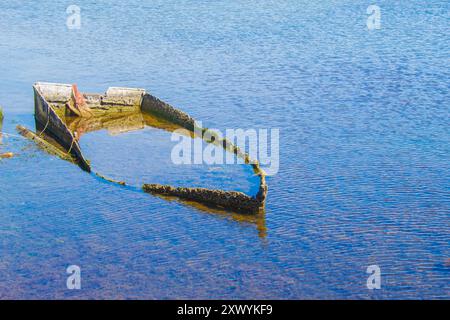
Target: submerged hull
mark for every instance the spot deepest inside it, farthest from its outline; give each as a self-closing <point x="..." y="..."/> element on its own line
<point x="60" y="108"/>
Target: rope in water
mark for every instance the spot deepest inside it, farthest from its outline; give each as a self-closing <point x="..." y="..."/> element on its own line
<point x="71" y="145"/>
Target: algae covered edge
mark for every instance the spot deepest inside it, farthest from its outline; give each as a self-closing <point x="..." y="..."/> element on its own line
<point x="237" y="201"/>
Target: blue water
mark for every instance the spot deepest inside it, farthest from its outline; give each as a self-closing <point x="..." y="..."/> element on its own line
<point x="144" y="156"/>
<point x="364" y="151"/>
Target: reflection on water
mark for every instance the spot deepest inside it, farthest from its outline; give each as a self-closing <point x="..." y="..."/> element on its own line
<point x="113" y="124"/>
<point x="258" y="219"/>
<point x="119" y="123"/>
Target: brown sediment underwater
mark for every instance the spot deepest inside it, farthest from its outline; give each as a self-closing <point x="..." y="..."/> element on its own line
<point x="65" y="114"/>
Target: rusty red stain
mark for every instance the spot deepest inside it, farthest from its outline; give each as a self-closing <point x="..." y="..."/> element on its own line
<point x="79" y="99"/>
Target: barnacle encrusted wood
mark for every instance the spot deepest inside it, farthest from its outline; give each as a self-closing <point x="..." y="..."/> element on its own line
<point x="228" y="199"/>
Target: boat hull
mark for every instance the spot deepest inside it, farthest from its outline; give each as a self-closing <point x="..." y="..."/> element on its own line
<point x="54" y="126"/>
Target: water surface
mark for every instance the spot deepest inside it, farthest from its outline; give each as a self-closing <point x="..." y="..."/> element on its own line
<point x="364" y="150"/>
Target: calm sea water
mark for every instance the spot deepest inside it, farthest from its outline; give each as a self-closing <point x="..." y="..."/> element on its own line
<point x="364" y="150"/>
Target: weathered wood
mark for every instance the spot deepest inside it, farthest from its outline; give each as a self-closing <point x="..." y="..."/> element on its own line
<point x="53" y="125"/>
<point x="43" y="144"/>
<point x="123" y="96"/>
<point x="153" y="105"/>
<point x="226" y="199"/>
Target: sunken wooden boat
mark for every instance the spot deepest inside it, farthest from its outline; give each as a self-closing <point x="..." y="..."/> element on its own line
<point x="58" y="106"/>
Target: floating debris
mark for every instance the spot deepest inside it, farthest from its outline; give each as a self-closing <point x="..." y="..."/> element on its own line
<point x="65" y="114"/>
<point x="6" y="155"/>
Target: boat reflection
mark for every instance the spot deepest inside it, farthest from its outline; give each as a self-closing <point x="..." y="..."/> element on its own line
<point x="258" y="219"/>
<point x="117" y="124"/>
